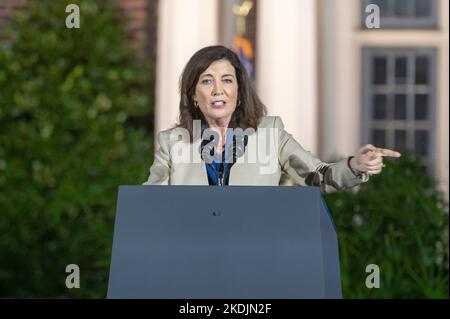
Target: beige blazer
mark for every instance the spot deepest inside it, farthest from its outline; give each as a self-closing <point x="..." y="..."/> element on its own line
<point x="282" y="153"/>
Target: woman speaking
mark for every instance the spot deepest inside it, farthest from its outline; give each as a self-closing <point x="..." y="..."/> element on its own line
<point x="225" y="138"/>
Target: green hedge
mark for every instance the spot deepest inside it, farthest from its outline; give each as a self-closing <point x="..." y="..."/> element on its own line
<point x="398" y="221"/>
<point x="68" y="98"/>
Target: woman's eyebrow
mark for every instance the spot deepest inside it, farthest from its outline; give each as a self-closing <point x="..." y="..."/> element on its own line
<point x="204" y="75"/>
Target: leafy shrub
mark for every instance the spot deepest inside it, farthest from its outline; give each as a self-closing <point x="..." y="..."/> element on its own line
<point x="68" y="98"/>
<point x="398" y="221"/>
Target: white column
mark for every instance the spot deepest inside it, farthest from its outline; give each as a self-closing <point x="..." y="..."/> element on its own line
<point x="286" y="67"/>
<point x="340" y="79"/>
<point x="327" y="78"/>
<point x="184" y="27"/>
<point x="442" y="156"/>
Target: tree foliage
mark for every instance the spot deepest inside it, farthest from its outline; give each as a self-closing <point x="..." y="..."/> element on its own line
<point x="398" y="221"/>
<point x="68" y="100"/>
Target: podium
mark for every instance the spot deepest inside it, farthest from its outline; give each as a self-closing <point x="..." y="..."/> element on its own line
<point x="232" y="242"/>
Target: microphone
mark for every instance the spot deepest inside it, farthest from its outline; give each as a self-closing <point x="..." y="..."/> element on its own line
<point x="239" y="145"/>
<point x="236" y="147"/>
<point x="209" y="142"/>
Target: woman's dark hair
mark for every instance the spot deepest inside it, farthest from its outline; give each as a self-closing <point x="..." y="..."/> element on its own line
<point x="247" y="114"/>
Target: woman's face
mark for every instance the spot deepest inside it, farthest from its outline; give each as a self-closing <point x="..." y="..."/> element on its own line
<point x="216" y="92"/>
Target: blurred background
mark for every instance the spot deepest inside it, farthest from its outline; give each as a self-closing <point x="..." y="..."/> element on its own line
<point x="79" y="109"/>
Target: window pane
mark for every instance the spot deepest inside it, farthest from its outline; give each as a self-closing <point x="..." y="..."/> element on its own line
<point x="379" y="70"/>
<point x="422" y="8"/>
<point x="401" y="114"/>
<point x="421" y="142"/>
<point x="401" y="8"/>
<point x="421" y="107"/>
<point x="379" y="138"/>
<point x="400" y="140"/>
<point x="400" y="70"/>
<point x="382" y="4"/>
<point x="379" y="106"/>
<point x="422" y="70"/>
<point x="400" y="107"/>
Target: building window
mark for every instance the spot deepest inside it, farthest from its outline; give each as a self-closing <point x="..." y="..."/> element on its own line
<point x="399" y="99"/>
<point x="414" y="14"/>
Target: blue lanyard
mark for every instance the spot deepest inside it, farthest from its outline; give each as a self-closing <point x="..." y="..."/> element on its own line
<point x="218" y="172"/>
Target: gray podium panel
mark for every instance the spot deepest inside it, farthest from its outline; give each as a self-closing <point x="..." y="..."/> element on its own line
<point x="206" y="242"/>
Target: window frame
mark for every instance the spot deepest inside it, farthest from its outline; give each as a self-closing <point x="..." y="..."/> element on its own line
<point x="398" y="22"/>
<point x="410" y="124"/>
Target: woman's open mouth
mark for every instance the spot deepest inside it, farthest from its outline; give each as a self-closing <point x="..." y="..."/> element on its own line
<point x="220" y="104"/>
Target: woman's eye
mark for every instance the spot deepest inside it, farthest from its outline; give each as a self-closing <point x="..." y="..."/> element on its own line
<point x="208" y="81"/>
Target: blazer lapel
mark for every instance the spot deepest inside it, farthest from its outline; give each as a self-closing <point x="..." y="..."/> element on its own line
<point x="245" y="170"/>
<point x="197" y="169"/>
